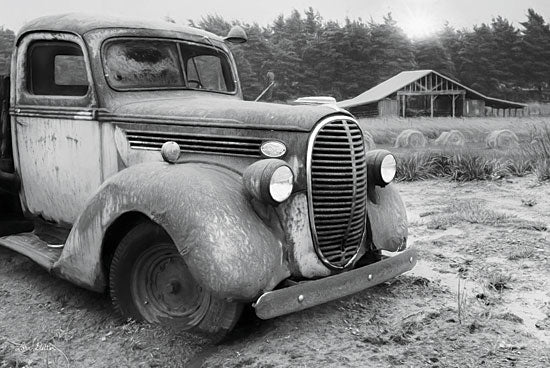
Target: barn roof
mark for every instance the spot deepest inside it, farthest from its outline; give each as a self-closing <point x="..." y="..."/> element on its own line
<point x="399" y="81"/>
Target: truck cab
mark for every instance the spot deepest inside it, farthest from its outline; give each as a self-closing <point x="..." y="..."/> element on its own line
<point x="131" y="165"/>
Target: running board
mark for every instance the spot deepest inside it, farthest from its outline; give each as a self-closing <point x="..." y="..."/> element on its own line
<point x="30" y="245"/>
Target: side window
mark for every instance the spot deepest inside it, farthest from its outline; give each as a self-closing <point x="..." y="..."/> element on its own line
<point x="207" y="71"/>
<point x="56" y="68"/>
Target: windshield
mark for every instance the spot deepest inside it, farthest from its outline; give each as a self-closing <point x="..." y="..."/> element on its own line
<point x="145" y="64"/>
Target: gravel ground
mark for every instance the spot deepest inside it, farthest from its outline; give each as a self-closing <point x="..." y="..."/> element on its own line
<point x="480" y="296"/>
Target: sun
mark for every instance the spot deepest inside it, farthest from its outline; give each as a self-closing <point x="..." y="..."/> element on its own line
<point x="419" y="24"/>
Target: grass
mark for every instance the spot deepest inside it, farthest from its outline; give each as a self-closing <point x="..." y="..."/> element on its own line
<point x="498" y="281"/>
<point x="523" y="252"/>
<point x="385" y="130"/>
<point x="470" y="211"/>
<point x="473" y="161"/>
<point x="458" y="164"/>
<point x="474" y="212"/>
<point x="462" y="300"/>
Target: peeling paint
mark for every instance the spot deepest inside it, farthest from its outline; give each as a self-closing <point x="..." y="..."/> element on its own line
<point x="228" y="248"/>
<point x="295" y="218"/>
<point x="58" y="175"/>
<point x="388" y="219"/>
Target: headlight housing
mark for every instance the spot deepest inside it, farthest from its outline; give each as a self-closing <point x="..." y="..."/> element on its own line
<point x="270" y="180"/>
<point x="381" y="167"/>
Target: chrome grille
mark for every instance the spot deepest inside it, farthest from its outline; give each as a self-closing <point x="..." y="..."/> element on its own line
<point x="198" y="143"/>
<point x="337" y="184"/>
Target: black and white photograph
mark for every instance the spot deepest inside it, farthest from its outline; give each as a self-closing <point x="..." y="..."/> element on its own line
<point x="212" y="184"/>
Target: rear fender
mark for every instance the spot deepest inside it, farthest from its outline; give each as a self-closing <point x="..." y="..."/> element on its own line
<point x="227" y="247"/>
<point x="388" y="218"/>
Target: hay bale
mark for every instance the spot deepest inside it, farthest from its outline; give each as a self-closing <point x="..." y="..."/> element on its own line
<point x="410" y="138"/>
<point x="451" y="138"/>
<point x="369" y="141"/>
<point x="502" y="139"/>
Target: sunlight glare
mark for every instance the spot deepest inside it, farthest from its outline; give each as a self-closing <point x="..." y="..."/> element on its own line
<point x="419" y="24"/>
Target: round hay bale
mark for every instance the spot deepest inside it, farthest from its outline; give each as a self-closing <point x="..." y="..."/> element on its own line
<point x="369" y="141"/>
<point x="502" y="139"/>
<point x="451" y="138"/>
<point x="410" y="138"/>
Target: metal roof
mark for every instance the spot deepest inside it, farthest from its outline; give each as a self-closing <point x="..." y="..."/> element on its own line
<point x="81" y="23"/>
<point x="399" y="81"/>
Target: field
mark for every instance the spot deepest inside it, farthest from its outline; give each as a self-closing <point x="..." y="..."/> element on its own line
<point x="472" y="161"/>
<point x="386" y="130"/>
<point x="480" y="296"/>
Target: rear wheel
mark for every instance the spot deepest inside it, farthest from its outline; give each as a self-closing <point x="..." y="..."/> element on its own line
<point x="150" y="281"/>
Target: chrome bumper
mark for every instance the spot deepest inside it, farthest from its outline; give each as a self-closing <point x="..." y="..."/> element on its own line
<point x="311" y="293"/>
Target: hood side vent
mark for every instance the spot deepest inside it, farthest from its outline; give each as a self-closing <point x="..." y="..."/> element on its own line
<point x="197" y="143"/>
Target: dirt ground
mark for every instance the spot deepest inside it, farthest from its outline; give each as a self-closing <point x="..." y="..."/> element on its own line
<point x="479" y="297"/>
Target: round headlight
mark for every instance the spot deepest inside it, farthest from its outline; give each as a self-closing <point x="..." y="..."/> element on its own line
<point x="388" y="169"/>
<point x="273" y="149"/>
<point x="381" y="167"/>
<point x="269" y="180"/>
<point x="281" y="183"/>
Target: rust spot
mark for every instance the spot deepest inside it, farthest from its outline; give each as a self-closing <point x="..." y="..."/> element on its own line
<point x="72" y="139"/>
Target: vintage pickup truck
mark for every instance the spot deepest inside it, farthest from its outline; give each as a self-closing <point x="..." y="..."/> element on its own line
<point x="131" y="165"/>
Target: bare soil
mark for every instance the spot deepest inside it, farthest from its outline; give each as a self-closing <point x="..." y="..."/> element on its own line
<point x="479" y="297"/>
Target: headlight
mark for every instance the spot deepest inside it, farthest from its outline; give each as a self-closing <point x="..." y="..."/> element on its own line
<point x="388" y="168"/>
<point x="381" y="167"/>
<point x="281" y="183"/>
<point x="270" y="180"/>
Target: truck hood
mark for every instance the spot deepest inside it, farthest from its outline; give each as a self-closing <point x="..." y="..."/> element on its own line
<point x="230" y="112"/>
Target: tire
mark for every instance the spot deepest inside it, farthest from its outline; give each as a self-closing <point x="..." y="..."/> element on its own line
<point x="149" y="281"/>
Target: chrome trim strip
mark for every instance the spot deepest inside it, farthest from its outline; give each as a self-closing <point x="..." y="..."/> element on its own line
<point x="309" y="155"/>
<point x="54" y="112"/>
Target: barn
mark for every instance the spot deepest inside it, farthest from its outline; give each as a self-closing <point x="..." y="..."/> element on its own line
<point x="427" y="93"/>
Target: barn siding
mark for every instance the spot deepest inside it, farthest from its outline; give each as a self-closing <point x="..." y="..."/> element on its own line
<point x="388" y="107"/>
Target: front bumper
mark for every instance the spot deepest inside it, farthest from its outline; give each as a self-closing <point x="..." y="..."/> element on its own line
<point x="311" y="293"/>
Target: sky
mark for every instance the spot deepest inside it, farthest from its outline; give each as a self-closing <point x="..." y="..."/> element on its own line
<point x="418" y="18"/>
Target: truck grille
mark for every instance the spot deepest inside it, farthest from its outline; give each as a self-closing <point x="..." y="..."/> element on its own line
<point x="337" y="184"/>
<point x="197" y="143"/>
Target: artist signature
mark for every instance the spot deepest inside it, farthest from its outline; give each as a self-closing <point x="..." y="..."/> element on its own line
<point x="39" y="346"/>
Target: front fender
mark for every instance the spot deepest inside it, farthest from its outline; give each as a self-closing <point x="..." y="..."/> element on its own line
<point x="227" y="247"/>
<point x="388" y="218"/>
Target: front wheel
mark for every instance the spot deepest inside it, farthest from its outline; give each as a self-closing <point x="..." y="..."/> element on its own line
<point x="150" y="281"/>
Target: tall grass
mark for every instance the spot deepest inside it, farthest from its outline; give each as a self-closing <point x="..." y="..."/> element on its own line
<point x="459" y="165"/>
<point x="474" y="161"/>
<point x="539" y="152"/>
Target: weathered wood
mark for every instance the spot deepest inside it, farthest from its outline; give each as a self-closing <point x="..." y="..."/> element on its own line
<point x="454" y="97"/>
<point x="428" y="93"/>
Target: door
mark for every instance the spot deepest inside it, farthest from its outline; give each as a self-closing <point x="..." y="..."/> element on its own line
<point x="58" y="141"/>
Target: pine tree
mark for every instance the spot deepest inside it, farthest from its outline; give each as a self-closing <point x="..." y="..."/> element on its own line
<point x="431" y="54"/>
<point x="392" y="51"/>
<point x="7" y="38"/>
<point x="535" y="51"/>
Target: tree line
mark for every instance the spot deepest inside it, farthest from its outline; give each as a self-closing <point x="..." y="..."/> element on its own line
<point x="311" y="56"/>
